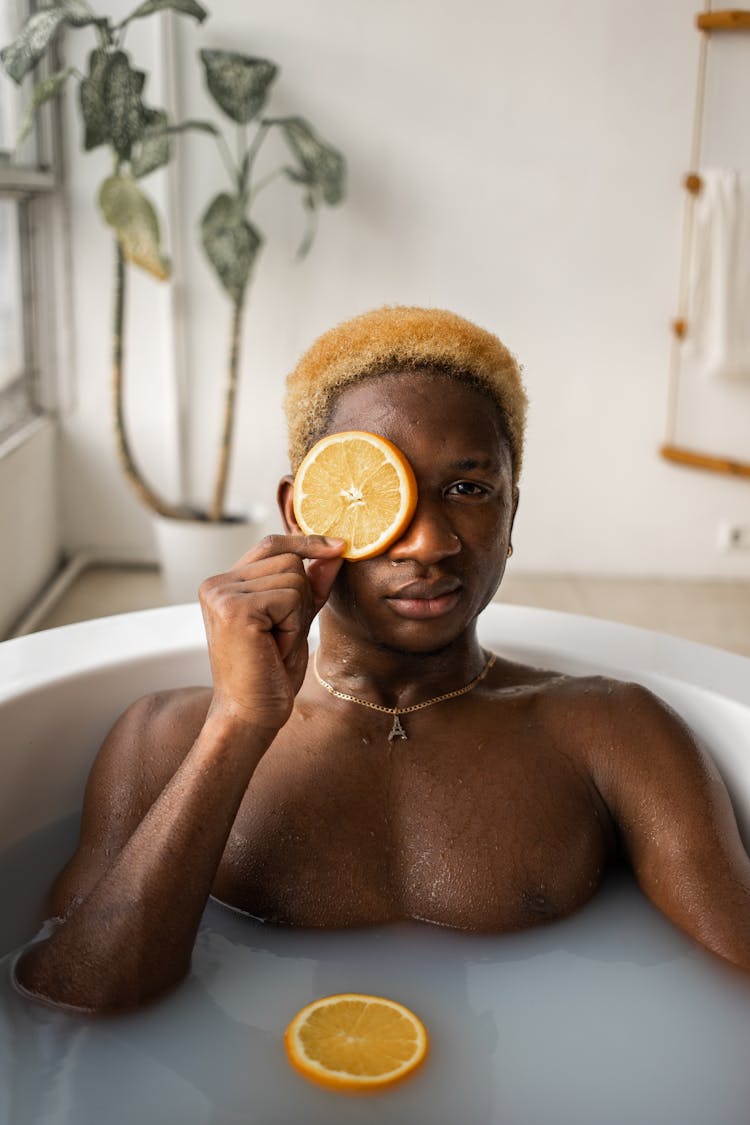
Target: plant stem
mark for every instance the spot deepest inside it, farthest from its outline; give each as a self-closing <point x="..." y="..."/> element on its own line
<point x="254" y="147"/>
<point x="226" y="155"/>
<point x="220" y="487"/>
<point x="129" y="468"/>
<point x="267" y="179"/>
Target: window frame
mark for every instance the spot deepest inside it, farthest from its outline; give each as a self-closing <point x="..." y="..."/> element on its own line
<point x="37" y="189"/>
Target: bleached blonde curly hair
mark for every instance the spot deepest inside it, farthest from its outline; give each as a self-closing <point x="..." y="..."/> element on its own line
<point x="401" y="338"/>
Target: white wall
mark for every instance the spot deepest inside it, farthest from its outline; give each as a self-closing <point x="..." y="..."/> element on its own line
<point x="28" y="517"/>
<point x="520" y="164"/>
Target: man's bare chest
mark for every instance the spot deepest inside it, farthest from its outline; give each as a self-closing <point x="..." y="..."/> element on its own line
<point x="482" y="837"/>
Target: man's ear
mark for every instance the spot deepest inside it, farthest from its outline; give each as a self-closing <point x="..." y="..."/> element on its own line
<point x="516" y="496"/>
<point x="284" y="495"/>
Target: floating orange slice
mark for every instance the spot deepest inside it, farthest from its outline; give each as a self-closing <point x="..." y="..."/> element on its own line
<point x="355" y="1042"/>
<point x="356" y="486"/>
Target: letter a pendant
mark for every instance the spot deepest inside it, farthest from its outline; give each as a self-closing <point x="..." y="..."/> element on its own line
<point x="397" y="731"/>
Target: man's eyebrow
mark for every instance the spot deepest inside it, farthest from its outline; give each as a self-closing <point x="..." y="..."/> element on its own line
<point x="467" y="464"/>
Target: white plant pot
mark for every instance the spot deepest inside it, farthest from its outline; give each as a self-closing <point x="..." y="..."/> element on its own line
<point x="191" y="550"/>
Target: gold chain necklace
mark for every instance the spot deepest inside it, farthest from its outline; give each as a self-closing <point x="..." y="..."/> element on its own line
<point x="397" y="730"/>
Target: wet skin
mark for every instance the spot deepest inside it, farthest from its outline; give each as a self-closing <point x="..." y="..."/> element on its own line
<point x="502" y="809"/>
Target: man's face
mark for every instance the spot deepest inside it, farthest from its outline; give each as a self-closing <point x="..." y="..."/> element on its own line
<point x="427" y="588"/>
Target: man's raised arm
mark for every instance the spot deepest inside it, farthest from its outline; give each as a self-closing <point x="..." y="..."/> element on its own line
<point x="165" y="789"/>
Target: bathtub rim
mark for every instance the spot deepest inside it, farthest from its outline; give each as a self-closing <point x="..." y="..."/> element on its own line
<point x="572" y="642"/>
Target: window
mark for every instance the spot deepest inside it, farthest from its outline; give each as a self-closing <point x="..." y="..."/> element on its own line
<point x="28" y="182"/>
<point x="12" y="360"/>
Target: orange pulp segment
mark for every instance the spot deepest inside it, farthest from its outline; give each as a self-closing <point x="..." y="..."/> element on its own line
<point x="355" y="1042"/>
<point x="356" y="486"/>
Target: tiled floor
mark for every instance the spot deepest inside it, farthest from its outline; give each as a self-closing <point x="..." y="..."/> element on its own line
<point x="715" y="613"/>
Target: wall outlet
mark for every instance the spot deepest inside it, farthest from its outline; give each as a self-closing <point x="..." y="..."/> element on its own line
<point x="734" y="536"/>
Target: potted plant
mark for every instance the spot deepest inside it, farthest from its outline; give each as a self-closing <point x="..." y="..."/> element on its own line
<point x="239" y="86"/>
<point x="114" y="113"/>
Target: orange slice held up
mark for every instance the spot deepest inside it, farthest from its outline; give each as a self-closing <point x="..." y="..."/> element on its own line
<point x="356" y="486"/>
<point x="355" y="1042"/>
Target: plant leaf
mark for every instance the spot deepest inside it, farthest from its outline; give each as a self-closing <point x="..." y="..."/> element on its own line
<point x="133" y="217"/>
<point x="32" y="42"/>
<point x="154" y="150"/>
<point x="238" y="84"/>
<point x="322" y="164"/>
<point x="43" y="92"/>
<point x="185" y="7"/>
<point x="79" y="14"/>
<point x="231" y="243"/>
<point x="122" y="100"/>
<point x="298" y="177"/>
<point x="93" y="101"/>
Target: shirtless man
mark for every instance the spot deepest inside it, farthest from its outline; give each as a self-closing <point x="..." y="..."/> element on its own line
<point x="499" y="811"/>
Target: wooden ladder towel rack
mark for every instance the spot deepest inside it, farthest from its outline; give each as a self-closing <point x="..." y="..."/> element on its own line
<point x="725" y="20"/>
<point x="728" y="20"/>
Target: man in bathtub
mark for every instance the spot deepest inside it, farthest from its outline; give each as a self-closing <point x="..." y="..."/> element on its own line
<point x="279" y="790"/>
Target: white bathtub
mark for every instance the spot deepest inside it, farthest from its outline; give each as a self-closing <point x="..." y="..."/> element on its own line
<point x="61" y="690"/>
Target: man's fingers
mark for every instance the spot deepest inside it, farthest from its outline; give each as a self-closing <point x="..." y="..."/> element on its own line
<point x="322" y="556"/>
<point x="321" y="574"/>
<point x="304" y="546"/>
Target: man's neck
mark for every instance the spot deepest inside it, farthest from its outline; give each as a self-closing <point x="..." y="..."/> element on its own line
<point x="393" y="677"/>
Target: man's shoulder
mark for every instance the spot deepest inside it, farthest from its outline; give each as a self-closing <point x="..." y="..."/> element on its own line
<point x="589" y="708"/>
<point x="621" y="723"/>
<point x="549" y="685"/>
<point x="178" y="708"/>
<point x="161" y="725"/>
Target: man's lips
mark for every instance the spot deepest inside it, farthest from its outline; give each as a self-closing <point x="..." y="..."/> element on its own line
<point x="421" y="600"/>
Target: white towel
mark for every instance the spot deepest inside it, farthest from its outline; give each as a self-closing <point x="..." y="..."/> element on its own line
<point x="718" y="305"/>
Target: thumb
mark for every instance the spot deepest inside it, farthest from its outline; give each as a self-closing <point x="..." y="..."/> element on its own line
<point x="321" y="574"/>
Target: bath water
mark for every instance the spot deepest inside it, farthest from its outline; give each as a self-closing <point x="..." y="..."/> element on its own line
<point x="610" y="1017"/>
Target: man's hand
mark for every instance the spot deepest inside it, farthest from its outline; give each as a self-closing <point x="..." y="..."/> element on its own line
<point x="165" y="789"/>
<point x="257" y="618"/>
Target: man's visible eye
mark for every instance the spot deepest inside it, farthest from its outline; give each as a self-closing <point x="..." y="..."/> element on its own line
<point x="468" y="488"/>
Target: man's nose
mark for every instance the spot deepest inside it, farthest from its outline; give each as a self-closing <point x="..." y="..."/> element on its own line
<point x="428" y="538"/>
